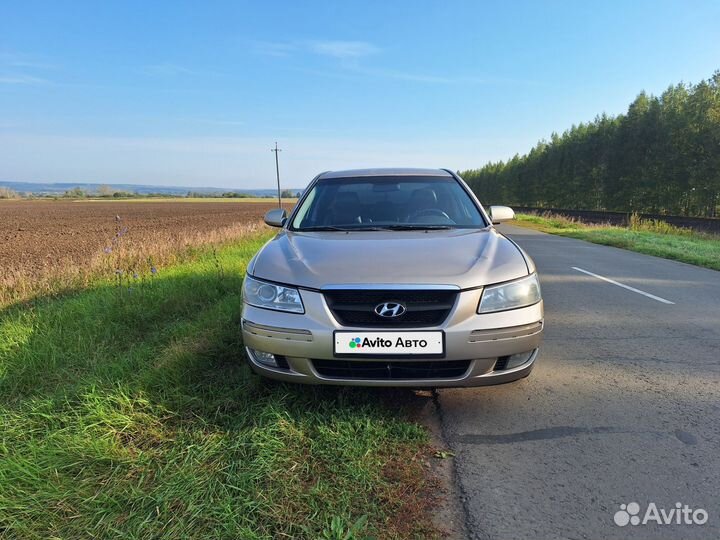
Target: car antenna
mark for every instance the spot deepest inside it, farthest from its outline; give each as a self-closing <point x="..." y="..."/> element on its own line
<point x="277" y="171"/>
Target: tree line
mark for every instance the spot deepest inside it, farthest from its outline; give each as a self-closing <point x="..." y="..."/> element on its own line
<point x="662" y="156"/>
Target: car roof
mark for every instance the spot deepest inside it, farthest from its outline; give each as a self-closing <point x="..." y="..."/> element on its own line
<point x="406" y="171"/>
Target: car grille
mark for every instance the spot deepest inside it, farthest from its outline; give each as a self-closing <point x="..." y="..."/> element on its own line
<point x="501" y="363"/>
<point x="382" y="370"/>
<point x="357" y="307"/>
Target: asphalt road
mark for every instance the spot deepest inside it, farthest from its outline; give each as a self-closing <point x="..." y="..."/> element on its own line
<point x="623" y="406"/>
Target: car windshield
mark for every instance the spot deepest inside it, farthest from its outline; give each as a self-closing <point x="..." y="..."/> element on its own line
<point x="411" y="202"/>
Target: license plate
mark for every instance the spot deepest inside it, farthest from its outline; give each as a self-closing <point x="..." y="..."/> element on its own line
<point x="389" y="343"/>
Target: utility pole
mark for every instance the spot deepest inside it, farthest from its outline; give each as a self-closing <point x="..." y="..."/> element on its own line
<point x="277" y="171"/>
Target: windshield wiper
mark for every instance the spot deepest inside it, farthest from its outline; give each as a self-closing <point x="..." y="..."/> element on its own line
<point x="399" y="227"/>
<point x="417" y="227"/>
<point x="343" y="229"/>
<point x="325" y="228"/>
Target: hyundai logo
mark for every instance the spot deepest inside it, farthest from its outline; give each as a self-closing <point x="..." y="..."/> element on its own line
<point x="390" y="309"/>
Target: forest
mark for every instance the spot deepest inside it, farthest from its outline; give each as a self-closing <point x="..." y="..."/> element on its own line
<point x="662" y="156"/>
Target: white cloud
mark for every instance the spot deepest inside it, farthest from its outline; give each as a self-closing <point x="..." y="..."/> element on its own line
<point x="168" y="70"/>
<point x="271" y="48"/>
<point x="18" y="69"/>
<point x="171" y="70"/>
<point x="229" y="123"/>
<point x="343" y="49"/>
<point x="14" y="60"/>
<point x="21" y="79"/>
<point x="349" y="52"/>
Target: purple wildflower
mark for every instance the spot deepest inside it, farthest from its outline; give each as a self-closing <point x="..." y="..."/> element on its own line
<point x="108" y="250"/>
<point x="153" y="270"/>
<point x="135" y="275"/>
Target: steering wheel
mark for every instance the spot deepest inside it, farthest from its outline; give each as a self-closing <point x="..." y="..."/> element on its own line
<point x="429" y="212"/>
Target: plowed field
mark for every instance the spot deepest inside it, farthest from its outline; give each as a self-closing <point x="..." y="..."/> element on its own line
<point x="46" y="241"/>
<point x="38" y="234"/>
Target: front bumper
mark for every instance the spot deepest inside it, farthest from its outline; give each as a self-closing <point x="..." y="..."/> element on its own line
<point x="482" y="340"/>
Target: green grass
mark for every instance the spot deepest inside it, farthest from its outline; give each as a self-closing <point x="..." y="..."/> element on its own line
<point x="650" y="237"/>
<point x="131" y="414"/>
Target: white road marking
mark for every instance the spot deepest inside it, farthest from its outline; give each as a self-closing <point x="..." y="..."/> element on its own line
<point x="633" y="289"/>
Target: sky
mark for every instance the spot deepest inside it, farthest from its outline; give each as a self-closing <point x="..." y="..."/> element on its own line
<point x="196" y="93"/>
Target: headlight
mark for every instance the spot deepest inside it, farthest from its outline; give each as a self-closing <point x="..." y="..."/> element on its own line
<point x="270" y="296"/>
<point x="515" y="294"/>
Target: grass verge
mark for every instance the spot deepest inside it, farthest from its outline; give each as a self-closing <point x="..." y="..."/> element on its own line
<point x="644" y="236"/>
<point x="128" y="412"/>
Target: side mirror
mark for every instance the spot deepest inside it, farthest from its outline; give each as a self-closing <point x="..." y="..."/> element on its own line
<point x="276" y="217"/>
<point x="499" y="214"/>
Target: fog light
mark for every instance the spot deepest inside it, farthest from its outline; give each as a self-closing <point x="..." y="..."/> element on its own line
<point x="515" y="360"/>
<point x="264" y="358"/>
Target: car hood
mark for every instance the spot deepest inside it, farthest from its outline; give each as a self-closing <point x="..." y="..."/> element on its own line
<point x="463" y="257"/>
